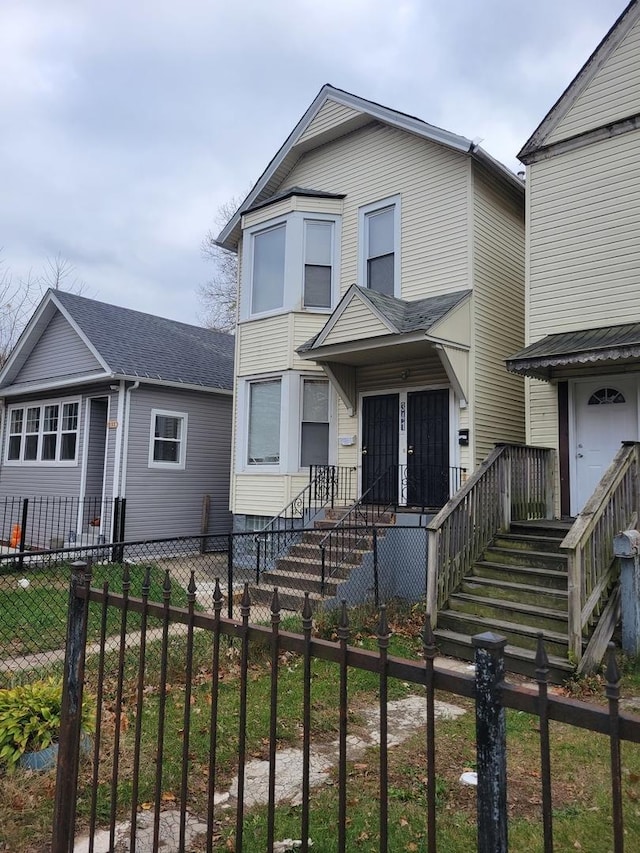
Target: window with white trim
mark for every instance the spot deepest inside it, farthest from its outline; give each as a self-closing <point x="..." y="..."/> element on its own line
<point x="318" y="263"/>
<point x="314" y="429"/>
<point x="263" y="434"/>
<point x="168" y="442"/>
<point x="380" y="247"/>
<point x="43" y="433"/>
<point x="267" y="283"/>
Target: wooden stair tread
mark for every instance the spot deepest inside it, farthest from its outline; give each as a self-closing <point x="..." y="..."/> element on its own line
<point x="512" y="585"/>
<point x="520" y="652"/>
<point x="510" y="567"/>
<point x="505" y="625"/>
<point x="511" y="605"/>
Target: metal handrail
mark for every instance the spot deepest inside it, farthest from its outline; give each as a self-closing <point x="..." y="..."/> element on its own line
<point x="361" y="516"/>
<point x="328" y="485"/>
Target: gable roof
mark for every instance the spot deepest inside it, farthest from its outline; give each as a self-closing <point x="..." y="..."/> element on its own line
<point x="400" y="316"/>
<point x="132" y="344"/>
<point x="580" y="82"/>
<point x="361" y="112"/>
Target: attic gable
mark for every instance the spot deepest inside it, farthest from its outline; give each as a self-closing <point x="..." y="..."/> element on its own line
<point x="604" y="92"/>
<point x="335" y="113"/>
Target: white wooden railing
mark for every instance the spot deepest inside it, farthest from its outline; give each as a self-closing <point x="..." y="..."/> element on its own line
<point x="514" y="483"/>
<point x="589" y="544"/>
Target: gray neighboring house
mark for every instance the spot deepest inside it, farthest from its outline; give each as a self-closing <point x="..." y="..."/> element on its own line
<point x="102" y="403"/>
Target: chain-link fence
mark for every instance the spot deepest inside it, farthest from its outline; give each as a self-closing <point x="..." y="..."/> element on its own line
<point x="364" y="566"/>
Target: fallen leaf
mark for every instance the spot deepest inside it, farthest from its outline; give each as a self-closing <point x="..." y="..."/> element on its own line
<point x="146" y="806"/>
<point x="168" y="797"/>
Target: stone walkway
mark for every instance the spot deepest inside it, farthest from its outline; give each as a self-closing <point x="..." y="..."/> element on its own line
<point x="405" y="717"/>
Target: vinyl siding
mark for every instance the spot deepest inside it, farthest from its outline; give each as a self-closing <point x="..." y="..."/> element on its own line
<point x="347" y="426"/>
<point x="305" y="325"/>
<point x="611" y="95"/>
<point x="330" y="116"/>
<point x="305" y="204"/>
<point x="382" y="377"/>
<point x="542" y="414"/>
<point x="59" y="352"/>
<point x="260" y="494"/>
<point x="585" y="238"/>
<point x="264" y="346"/>
<point x="357" y="322"/>
<point x="498" y="305"/>
<point x="97" y="447"/>
<point x="378" y="162"/>
<point x="169" y="503"/>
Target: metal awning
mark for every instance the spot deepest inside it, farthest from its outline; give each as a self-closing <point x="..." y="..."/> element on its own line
<point x="571" y="349"/>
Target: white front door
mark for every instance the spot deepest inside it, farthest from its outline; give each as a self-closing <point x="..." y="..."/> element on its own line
<point x="606" y="413"/>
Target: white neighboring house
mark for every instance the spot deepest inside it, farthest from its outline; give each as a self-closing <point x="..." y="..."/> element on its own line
<point x="583" y="266"/>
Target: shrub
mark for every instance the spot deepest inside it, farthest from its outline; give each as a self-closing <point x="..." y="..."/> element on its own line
<point x="30" y="718"/>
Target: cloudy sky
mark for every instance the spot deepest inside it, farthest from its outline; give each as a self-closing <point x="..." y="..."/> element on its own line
<point x="125" y="125"/>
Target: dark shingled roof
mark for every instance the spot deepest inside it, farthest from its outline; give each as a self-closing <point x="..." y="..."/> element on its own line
<point x="404" y="316"/>
<point x="579" y="347"/>
<point x="288" y="193"/>
<point x="133" y="343"/>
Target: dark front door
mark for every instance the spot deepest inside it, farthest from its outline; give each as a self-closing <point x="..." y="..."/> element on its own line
<point x="380" y="448"/>
<point x="428" y="448"/>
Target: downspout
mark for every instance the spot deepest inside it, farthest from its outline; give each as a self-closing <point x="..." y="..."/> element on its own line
<point x="117" y="452"/>
<point x="125" y="429"/>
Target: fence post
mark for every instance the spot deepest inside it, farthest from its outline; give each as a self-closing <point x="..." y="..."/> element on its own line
<point x="71" y="712"/>
<point x="432" y="576"/>
<point x="376" y="579"/>
<point x="230" y="575"/>
<point x="550" y="483"/>
<point x="491" y="743"/>
<point x="23" y="530"/>
<point x="505" y="489"/>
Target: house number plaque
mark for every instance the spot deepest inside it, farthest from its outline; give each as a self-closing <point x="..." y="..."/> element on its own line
<point x="403" y="416"/>
<point x="112" y="424"/>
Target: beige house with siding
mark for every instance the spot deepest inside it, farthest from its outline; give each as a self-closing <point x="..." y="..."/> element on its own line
<point x="381" y="288"/>
<point x="583" y="266"/>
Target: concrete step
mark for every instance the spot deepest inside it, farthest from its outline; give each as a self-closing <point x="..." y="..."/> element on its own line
<point x="517" y="659"/>
<point x="521" y="636"/>
<point x="509" y="591"/>
<point x="532" y="559"/>
<point x="313" y="566"/>
<point x="261" y="596"/>
<point x="521" y="574"/>
<point x="532" y="615"/>
<point x="294" y="581"/>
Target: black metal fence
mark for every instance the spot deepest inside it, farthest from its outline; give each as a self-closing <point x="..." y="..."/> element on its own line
<point x="127" y="768"/>
<point x="53" y="522"/>
<point x="383" y="564"/>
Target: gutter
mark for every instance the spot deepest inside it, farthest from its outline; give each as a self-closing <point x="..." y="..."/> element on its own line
<point x="125" y="429"/>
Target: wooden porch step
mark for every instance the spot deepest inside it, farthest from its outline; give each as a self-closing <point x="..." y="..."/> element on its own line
<point x="521" y="557"/>
<point x="521" y="574"/>
<point x="532" y="615"/>
<point x="509" y="591"/>
<point x="517" y="659"/>
<point x="528" y="542"/>
<point x="556" y="528"/>
<point x="519" y="635"/>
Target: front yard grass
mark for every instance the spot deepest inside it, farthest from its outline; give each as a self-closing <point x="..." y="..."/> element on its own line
<point x="34" y="617"/>
<point x="580" y="759"/>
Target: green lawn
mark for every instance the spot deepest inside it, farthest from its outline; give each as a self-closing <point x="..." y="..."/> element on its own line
<point x="34" y="619"/>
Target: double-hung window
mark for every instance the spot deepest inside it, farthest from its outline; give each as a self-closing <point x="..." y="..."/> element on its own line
<point x="380" y="252"/>
<point x="267" y="285"/>
<point x="314" y="433"/>
<point x="43" y="433"/>
<point x="168" y="444"/>
<point x="318" y="263"/>
<point x="263" y="445"/>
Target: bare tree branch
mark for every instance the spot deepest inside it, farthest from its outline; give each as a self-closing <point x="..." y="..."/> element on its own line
<point x="219" y="295"/>
<point x="19" y="296"/>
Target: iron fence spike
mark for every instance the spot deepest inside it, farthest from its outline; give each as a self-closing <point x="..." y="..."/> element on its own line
<point x="275" y="602"/>
<point x="307" y="613"/>
<point x="542" y="659"/>
<point x="612" y="672"/>
<point x="191" y="589"/>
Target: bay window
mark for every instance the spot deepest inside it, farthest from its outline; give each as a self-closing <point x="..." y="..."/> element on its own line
<point x="43" y="433"/>
<point x="290" y="264"/>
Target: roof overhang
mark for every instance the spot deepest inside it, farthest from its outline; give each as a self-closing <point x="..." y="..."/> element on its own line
<point x="555" y="355"/>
